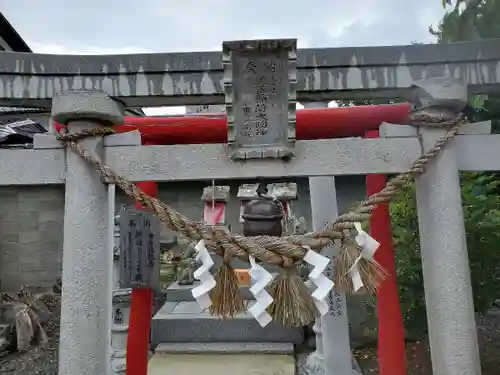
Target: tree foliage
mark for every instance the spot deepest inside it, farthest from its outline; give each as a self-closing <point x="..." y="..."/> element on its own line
<point x="481" y="206"/>
<point x="468" y="20"/>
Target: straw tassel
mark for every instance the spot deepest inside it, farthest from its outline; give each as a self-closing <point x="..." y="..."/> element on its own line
<point x="226" y="297"/>
<point x="293" y="305"/>
<point x="355" y="267"/>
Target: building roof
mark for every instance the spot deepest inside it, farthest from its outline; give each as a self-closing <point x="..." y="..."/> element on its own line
<point x="20" y="110"/>
<point x="11" y="36"/>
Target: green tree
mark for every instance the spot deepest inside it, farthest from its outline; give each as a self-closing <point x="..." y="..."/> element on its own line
<point x="467" y="20"/>
<point x="481" y="206"/>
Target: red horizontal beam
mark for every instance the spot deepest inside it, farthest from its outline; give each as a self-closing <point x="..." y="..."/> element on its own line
<point x="318" y="123"/>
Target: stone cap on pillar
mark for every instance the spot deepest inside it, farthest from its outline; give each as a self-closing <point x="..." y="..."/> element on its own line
<point x="216" y="193"/>
<point x="87" y="105"/>
<point x="441" y="96"/>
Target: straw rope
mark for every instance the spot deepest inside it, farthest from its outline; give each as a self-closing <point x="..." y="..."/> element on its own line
<point x="281" y="251"/>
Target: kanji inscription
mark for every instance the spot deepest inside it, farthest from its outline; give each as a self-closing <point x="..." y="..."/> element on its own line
<point x="139" y="250"/>
<point x="336" y="303"/>
<point x="260" y="81"/>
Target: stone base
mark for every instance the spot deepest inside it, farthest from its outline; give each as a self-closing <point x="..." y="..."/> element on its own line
<point x="216" y="364"/>
<point x="182" y="293"/>
<point x="181" y="322"/>
<point x="226" y="348"/>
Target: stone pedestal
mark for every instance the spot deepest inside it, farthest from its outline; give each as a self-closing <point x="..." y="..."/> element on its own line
<point x="181" y="320"/>
<point x="119" y="329"/>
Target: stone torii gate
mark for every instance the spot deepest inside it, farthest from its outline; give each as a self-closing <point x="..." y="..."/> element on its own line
<point x="80" y="92"/>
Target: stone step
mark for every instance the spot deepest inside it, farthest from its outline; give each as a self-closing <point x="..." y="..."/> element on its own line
<point x="226" y="348"/>
<point x="184" y="322"/>
<point x="217" y="364"/>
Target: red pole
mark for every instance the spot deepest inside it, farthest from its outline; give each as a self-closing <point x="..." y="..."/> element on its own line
<point x="141" y="312"/>
<point x="318" y="123"/>
<point x="391" y="342"/>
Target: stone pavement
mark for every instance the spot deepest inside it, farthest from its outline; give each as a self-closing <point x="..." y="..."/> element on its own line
<point x="217" y="364"/>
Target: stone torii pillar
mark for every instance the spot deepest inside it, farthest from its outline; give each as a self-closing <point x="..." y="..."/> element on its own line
<point x="87" y="274"/>
<point x="333" y="350"/>
<point x="445" y="262"/>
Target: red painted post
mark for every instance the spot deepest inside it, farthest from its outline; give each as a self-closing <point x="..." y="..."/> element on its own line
<point x="141" y="312"/>
<point x="391" y="342"/>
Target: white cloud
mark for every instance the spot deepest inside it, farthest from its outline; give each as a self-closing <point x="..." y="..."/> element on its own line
<point x="58" y="49"/>
<point x="164" y="111"/>
<point x="189" y="25"/>
<point x="172" y="111"/>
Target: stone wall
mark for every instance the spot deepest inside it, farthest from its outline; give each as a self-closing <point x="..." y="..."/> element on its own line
<point x="31" y="223"/>
<point x="31" y="235"/>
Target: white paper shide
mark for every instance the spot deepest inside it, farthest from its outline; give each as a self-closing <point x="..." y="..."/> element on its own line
<point x="324" y="284"/>
<point x="261" y="278"/>
<point x="370" y="246"/>
<point x="201" y="293"/>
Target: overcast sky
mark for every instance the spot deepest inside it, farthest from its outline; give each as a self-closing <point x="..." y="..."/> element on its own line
<point x="109" y="26"/>
<point x="129" y="26"/>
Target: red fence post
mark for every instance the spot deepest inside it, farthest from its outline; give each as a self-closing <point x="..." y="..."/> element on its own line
<point x="140" y="314"/>
<point x="391" y="342"/>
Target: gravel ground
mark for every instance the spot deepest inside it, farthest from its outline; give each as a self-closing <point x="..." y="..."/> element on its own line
<point x="418" y="353"/>
<point x="43" y="360"/>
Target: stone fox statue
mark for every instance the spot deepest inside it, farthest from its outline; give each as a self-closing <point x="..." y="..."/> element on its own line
<point x="187" y="264"/>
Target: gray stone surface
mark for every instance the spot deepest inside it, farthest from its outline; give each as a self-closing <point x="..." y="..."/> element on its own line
<point x="185" y="322"/>
<point x="226" y="348"/>
<point x="313" y="158"/>
<point x="333" y="351"/>
<point x="221" y="363"/>
<point x="139" y="249"/>
<point x="260" y="80"/>
<point x="324" y="74"/>
<point x="86" y="105"/>
<point x="403" y="131"/>
<point x="49" y="141"/>
<point x="446" y="272"/>
<point x="31" y="235"/>
<point x="29" y="167"/>
<point x="206" y="162"/>
<point x="87" y="272"/>
<point x="178" y="293"/>
<point x="443" y="92"/>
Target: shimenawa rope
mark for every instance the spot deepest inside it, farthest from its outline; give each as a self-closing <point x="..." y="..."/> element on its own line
<point x="293" y="304"/>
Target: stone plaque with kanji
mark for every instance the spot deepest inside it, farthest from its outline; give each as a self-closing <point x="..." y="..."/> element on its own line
<point x="260" y="97"/>
<point x="139" y="250"/>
